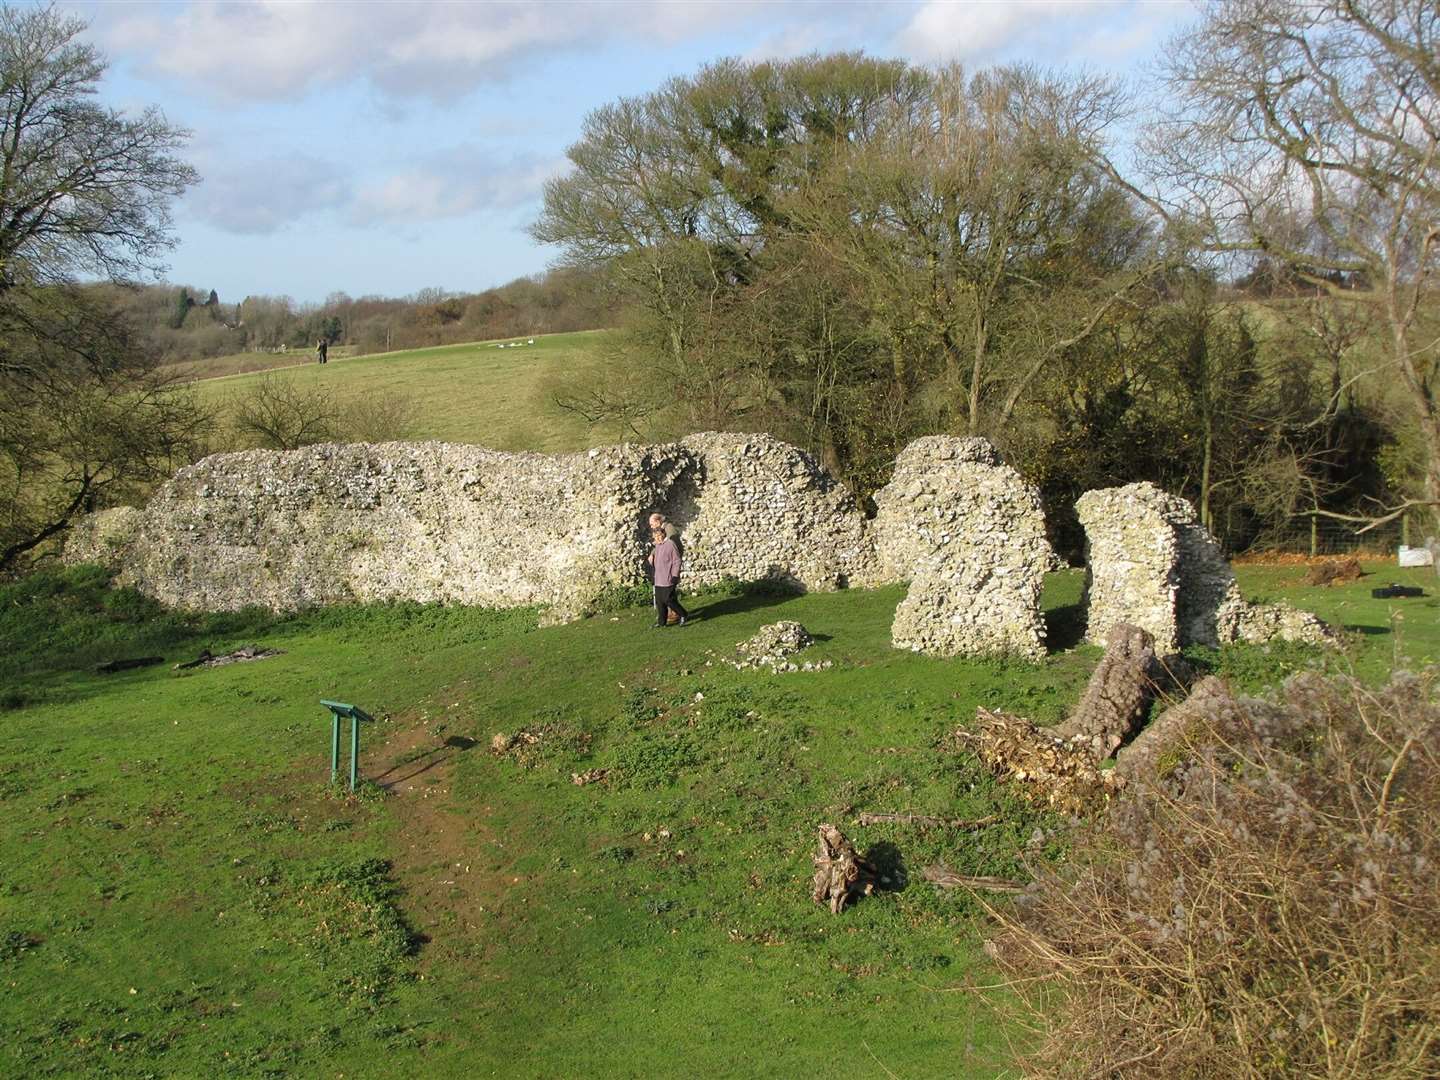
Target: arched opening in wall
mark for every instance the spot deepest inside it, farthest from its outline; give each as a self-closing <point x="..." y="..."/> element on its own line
<point x="681" y="504"/>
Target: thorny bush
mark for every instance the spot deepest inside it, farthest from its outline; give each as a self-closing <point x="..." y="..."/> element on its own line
<point x="1265" y="906"/>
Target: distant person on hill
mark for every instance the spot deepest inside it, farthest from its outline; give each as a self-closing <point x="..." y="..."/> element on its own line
<point x="665" y="559"/>
<point x="322" y="350"/>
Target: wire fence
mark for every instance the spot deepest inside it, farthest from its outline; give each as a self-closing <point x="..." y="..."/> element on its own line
<point x="1326" y="536"/>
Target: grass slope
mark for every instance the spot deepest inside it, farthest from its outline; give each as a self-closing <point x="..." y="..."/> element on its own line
<point x="475" y="393"/>
<point x="182" y="894"/>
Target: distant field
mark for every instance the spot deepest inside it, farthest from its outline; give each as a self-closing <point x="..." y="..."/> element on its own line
<point x="475" y="393"/>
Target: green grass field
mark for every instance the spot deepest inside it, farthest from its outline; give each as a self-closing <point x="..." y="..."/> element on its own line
<point x="182" y="894"/>
<point x="474" y="393"/>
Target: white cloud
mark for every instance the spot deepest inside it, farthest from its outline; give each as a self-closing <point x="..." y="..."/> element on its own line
<point x="280" y="50"/>
<point x="264" y="195"/>
<point x="977" y="29"/>
<point x="458" y="182"/>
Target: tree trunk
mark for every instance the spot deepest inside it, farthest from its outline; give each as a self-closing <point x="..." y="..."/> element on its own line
<point x="1209" y="453"/>
<point x="1423" y="397"/>
<point x="977" y="371"/>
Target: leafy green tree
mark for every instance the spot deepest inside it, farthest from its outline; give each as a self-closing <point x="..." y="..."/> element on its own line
<point x="183" y="303"/>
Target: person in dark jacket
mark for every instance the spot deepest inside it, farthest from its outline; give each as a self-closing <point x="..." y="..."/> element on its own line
<point x="665" y="559"/>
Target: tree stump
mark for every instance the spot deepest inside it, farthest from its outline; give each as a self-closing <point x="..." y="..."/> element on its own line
<point x="841" y="875"/>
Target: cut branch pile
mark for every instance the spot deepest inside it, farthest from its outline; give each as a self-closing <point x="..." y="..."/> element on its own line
<point x="841" y="875"/>
<point x="1334" y="571"/>
<point x="1052" y="773"/>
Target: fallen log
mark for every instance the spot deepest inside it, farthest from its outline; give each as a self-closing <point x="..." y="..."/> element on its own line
<point x="946" y="878"/>
<point x="924" y="821"/>
<point x="1118" y="698"/>
<point x="109" y="667"/>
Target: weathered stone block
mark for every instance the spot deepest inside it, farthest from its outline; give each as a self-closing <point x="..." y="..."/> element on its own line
<point x="969" y="535"/>
<point x="1150" y="562"/>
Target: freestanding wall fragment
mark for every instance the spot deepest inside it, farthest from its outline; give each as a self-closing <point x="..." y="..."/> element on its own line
<point x="969" y="535"/>
<point x="1150" y="562"/>
<point x="452" y="523"/>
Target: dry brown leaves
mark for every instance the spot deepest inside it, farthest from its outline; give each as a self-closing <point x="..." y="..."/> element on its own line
<point x="1333" y="571"/>
<point x="1049" y="772"/>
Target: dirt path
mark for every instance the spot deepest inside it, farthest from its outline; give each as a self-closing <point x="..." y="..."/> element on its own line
<point x="445" y="858"/>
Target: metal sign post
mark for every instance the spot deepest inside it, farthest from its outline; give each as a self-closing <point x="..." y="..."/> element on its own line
<point x="339" y="710"/>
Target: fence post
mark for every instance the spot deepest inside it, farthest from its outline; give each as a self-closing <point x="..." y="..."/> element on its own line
<point x="1404" y="530"/>
<point x="1314" y="536"/>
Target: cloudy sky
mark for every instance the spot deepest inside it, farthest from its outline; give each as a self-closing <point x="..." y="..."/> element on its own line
<point x="384" y="146"/>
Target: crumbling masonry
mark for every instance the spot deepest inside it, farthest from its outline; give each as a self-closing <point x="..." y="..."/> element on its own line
<point x="448" y="523"/>
<point x="1151" y="563"/>
<point x="969" y="535"/>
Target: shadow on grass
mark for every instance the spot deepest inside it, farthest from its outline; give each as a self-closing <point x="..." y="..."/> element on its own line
<point x="455" y="744"/>
<point x="737" y="605"/>
<point x="889" y="865"/>
<point x="1064" y="627"/>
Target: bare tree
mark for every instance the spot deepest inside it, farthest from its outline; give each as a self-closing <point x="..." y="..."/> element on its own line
<point x="94" y="422"/>
<point x="1309" y="131"/>
<point x="83" y="190"/>
<point x="277" y="413"/>
<point x="981" y="223"/>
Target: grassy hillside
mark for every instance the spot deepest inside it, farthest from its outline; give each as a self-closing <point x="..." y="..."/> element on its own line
<point x="183" y="895"/>
<point x="465" y="393"/>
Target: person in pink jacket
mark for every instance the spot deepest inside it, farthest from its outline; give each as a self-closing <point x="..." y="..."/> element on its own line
<point x="665" y="559"/>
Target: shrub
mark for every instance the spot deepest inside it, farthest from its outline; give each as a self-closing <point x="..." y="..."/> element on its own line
<point x="1266" y="907"/>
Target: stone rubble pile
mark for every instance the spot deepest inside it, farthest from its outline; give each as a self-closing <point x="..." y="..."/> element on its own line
<point x="772" y="646"/>
<point x="969" y="535"/>
<point x="1151" y="563"/>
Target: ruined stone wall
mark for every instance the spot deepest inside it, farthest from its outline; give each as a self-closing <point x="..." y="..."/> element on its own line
<point x="452" y="523"/>
<point x="968" y="533"/>
<point x="1151" y="563"/>
<point x="103" y="537"/>
<point x="754" y="508"/>
<point x="456" y="523"/>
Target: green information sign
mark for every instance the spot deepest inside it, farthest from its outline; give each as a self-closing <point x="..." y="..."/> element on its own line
<point x="338" y="711"/>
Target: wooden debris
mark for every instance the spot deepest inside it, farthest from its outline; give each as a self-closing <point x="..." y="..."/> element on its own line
<point x="945" y="878"/>
<point x="500" y="743"/>
<point x="238" y="656"/>
<point x="841" y="875"/>
<point x="109" y="667"/>
<point x="924" y="821"/>
<point x="1052" y="773"/>
<point x="1165" y="739"/>
<point x="1333" y="571"/>
<point x="1119" y="695"/>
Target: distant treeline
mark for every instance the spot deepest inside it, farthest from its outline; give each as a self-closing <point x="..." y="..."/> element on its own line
<point x="184" y="323"/>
